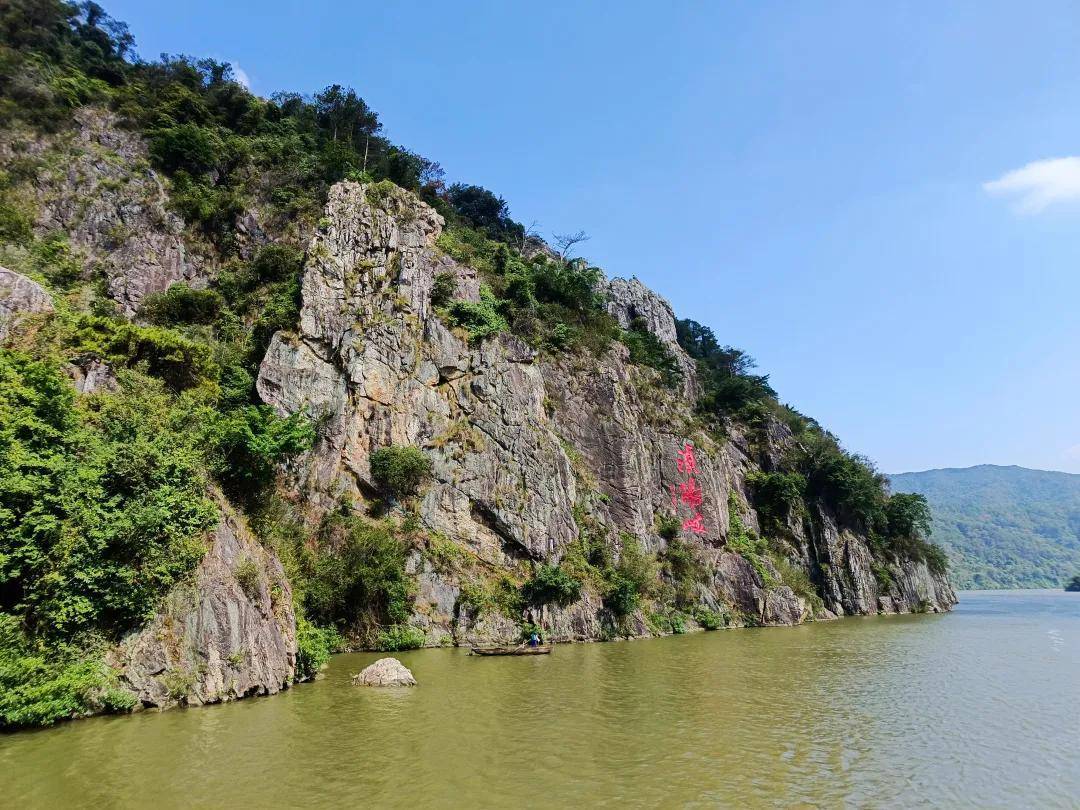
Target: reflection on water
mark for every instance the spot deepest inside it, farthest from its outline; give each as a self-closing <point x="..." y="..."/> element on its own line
<point x="977" y="708"/>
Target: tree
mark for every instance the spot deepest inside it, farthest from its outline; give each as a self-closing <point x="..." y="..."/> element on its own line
<point x="1073" y="585"/>
<point x="908" y="515"/>
<point x="344" y="114"/>
<point x="566" y="241"/>
<point x="479" y="206"/>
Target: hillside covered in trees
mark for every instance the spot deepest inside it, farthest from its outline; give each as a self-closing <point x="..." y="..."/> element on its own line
<point x="260" y="363"/>
<point x="1003" y="527"/>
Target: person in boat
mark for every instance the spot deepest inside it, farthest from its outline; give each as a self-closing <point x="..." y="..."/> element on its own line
<point x="534" y="640"/>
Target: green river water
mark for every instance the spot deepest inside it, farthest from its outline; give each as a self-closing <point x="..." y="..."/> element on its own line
<point x="978" y="708"/>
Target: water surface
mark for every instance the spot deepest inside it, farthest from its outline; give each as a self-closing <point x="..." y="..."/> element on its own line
<point x="977" y="708"/>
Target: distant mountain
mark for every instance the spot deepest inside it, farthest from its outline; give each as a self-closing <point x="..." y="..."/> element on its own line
<point x="1003" y="527"/>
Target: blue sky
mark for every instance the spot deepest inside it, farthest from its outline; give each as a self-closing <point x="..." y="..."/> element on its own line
<point x="809" y="179"/>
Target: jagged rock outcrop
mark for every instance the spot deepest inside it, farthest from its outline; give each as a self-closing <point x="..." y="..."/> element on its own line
<point x="523" y="447"/>
<point x="95" y="185"/>
<point x="628" y="300"/>
<point x="385" y="672"/>
<point x="228" y="633"/>
<point x="20" y="296"/>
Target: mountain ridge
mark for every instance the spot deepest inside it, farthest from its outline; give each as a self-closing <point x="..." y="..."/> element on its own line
<point x="1004" y="526"/>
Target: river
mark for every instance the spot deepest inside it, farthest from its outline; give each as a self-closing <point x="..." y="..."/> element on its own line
<point x="979" y="708"/>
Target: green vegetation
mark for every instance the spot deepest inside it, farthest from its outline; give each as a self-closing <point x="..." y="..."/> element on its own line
<point x="358" y="576"/>
<point x="710" y="619"/>
<point x="181" y="305"/>
<point x="400" y="637"/>
<point x="481" y="318"/>
<point x="668" y="526"/>
<point x="399" y="471"/>
<point x="776" y="494"/>
<point x="1073" y="585"/>
<point x="247" y="575"/>
<point x="745" y="543"/>
<point x="631" y="578"/>
<point x="683" y="566"/>
<point x="728" y="387"/>
<point x="646" y="349"/>
<point x="103" y="507"/>
<point x="551" y="585"/>
<point x="551" y="303"/>
<point x="1003" y="527"/>
<point x="314" y="645"/>
<point x="106" y="499"/>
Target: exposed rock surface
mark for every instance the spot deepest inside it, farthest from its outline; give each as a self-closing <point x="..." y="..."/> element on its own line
<point x="385" y="672"/>
<point x="519" y="443"/>
<point x="96" y="186"/>
<point x="229" y="633"/>
<point x="19" y="296"/>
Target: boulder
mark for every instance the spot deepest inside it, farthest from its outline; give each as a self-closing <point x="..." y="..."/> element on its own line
<point x="385" y="672"/>
<point x="20" y="295"/>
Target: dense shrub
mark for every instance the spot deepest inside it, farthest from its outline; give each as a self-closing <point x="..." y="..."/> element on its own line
<point x="481" y="318"/>
<point x="551" y="585"/>
<point x="728" y="387"/>
<point x="41" y="685"/>
<point x="277" y="263"/>
<point x="181" y="304"/>
<point x="443" y="289"/>
<point x="358" y="573"/>
<point x="400" y="637"/>
<point x="709" y="619"/>
<point x="251" y="442"/>
<point x="775" y="495"/>
<point x="248" y="576"/>
<point x="668" y="526"/>
<point x="314" y="645"/>
<point x="190" y="147"/>
<point x="399" y="471"/>
<point x="630" y="579"/>
<point x="102" y="503"/>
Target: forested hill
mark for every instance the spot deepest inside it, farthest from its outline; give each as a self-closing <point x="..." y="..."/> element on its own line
<point x="1003" y="527"/>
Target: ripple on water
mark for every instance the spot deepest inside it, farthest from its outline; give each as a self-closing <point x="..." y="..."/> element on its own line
<point x="979" y="708"/>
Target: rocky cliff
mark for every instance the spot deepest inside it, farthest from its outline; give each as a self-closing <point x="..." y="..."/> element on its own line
<point x="537" y="458"/>
<point x="529" y="449"/>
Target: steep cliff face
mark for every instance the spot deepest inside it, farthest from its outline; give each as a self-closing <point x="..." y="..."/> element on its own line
<point x="527" y="450"/>
<point x="228" y="633"/>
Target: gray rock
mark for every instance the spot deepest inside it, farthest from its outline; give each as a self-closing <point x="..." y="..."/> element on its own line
<point x="629" y="300"/>
<point x="20" y="296"/>
<point x="92" y="375"/>
<point x="385" y="672"/>
<point x="519" y="441"/>
<point x="220" y="637"/>
<point x="100" y="191"/>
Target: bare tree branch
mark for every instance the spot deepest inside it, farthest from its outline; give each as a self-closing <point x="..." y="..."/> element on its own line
<point x="532" y="232"/>
<point x="565" y="241"/>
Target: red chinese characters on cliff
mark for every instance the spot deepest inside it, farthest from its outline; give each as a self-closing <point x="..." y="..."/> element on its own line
<point x="689" y="492"/>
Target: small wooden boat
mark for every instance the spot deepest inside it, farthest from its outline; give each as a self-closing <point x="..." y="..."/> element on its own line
<point x="543" y="649"/>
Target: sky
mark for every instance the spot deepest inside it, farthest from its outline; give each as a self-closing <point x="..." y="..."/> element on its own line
<point x="879" y="201"/>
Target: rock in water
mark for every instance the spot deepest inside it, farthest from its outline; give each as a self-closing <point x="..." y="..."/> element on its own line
<point x="385" y="672"/>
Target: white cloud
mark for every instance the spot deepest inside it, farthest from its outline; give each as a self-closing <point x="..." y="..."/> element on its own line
<point x="1039" y="184"/>
<point x="240" y="75"/>
<point x="1072" y="453"/>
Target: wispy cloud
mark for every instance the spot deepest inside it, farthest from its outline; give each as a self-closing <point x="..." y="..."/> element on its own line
<point x="240" y="75"/>
<point x="1039" y="184"/>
